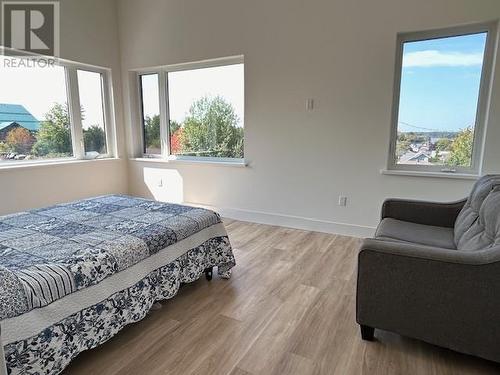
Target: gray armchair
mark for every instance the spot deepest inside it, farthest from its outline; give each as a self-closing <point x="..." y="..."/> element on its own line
<point x="432" y="272"/>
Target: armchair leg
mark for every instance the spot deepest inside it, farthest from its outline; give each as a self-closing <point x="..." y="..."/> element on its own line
<point x="209" y="273"/>
<point x="367" y="333"/>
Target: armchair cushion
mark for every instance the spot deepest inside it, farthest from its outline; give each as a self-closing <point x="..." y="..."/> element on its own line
<point x="478" y="224"/>
<point x="398" y="230"/>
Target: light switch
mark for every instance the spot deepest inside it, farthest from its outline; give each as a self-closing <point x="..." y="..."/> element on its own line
<point x="310" y="104"/>
<point x="342" y="201"/>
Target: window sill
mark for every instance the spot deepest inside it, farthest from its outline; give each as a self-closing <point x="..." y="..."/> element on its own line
<point x="48" y="163"/>
<point x="238" y="163"/>
<point x="457" y="176"/>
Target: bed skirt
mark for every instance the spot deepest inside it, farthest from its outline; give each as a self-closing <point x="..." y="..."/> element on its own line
<point x="53" y="348"/>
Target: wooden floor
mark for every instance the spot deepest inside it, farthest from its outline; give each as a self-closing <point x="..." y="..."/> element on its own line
<point x="288" y="309"/>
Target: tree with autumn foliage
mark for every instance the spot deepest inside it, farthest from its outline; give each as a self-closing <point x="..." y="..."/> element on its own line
<point x="20" y="140"/>
<point x="176" y="140"/>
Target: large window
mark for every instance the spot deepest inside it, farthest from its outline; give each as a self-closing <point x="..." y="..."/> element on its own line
<point x="52" y="111"/>
<point x="194" y="111"/>
<point x="442" y="83"/>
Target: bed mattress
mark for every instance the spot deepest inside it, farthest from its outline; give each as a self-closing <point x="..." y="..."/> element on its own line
<point x="72" y="275"/>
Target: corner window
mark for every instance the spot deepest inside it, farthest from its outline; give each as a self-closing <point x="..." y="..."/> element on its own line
<point x="196" y="109"/>
<point x="51" y="110"/>
<point x="442" y="83"/>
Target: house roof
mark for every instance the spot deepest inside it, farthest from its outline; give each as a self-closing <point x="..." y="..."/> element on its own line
<point x="10" y="113"/>
<point x="3" y="125"/>
<point x="414" y="156"/>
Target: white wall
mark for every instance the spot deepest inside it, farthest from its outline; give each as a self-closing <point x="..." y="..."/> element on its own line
<point x="339" y="52"/>
<point x="89" y="34"/>
<point x="32" y="187"/>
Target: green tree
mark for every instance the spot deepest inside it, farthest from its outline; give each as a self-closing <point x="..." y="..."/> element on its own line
<point x="152" y="131"/>
<point x="443" y="144"/>
<point x="54" y="136"/>
<point x="461" y="149"/>
<point x="174" y="126"/>
<point x="94" y="139"/>
<point x="210" y="129"/>
<point x="5" y="148"/>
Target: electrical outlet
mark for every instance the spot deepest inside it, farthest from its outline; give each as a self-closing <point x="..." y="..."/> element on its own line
<point x="342" y="201"/>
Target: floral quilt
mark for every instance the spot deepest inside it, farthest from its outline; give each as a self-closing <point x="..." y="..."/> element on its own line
<point x="48" y="253"/>
<point x="53" y="348"/>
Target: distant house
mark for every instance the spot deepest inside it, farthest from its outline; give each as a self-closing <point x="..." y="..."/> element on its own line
<point x="415" y="158"/>
<point x="15" y="115"/>
<point x="6" y="127"/>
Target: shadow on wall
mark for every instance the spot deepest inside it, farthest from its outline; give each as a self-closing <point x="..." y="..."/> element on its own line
<point x="164" y="185"/>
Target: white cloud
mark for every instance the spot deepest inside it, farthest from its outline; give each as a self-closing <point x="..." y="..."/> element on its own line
<point x="433" y="58"/>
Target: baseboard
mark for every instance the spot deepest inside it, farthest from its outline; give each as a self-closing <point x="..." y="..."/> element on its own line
<point x="291" y="221"/>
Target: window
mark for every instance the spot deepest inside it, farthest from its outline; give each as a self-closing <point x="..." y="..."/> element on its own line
<point x="202" y="113"/>
<point x="34" y="117"/>
<point x="442" y="84"/>
<point x="206" y="112"/>
<point x="150" y="100"/>
<point x="92" y="113"/>
<point x="38" y="120"/>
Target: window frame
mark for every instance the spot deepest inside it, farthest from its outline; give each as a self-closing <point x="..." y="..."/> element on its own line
<point x="107" y="106"/>
<point x="73" y="101"/>
<point x="141" y="113"/>
<point x="491" y="28"/>
<point x="162" y="72"/>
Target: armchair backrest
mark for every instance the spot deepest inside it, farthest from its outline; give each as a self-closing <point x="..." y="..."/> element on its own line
<point x="478" y="225"/>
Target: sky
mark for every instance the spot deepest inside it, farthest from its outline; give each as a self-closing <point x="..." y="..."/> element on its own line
<point x="39" y="88"/>
<point x="91" y="100"/>
<point x="187" y="86"/>
<point x="440" y="83"/>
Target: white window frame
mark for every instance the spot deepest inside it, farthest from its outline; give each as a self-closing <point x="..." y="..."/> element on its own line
<point x="162" y="72"/>
<point x="483" y="101"/>
<point x="73" y="100"/>
<point x="140" y="112"/>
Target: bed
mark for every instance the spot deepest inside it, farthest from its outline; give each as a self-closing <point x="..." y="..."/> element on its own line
<point x="73" y="275"/>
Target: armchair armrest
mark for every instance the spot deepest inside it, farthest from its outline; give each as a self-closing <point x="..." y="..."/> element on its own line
<point x="422" y="212"/>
